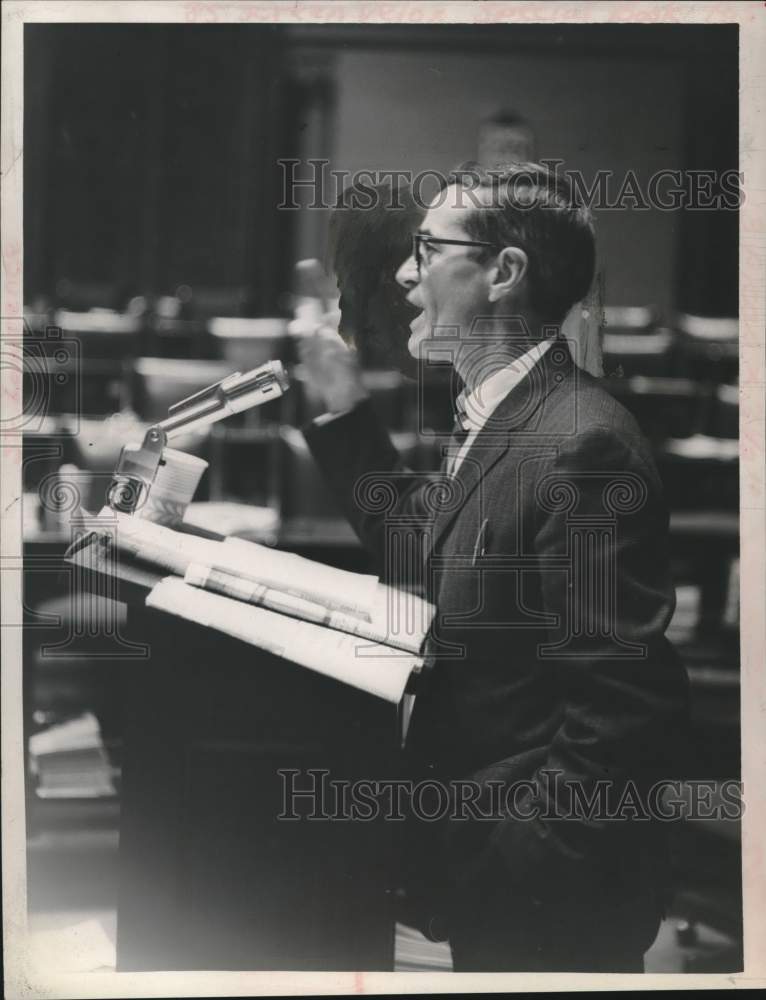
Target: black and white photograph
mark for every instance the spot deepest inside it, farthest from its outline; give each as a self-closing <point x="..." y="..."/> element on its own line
<point x="383" y="497"/>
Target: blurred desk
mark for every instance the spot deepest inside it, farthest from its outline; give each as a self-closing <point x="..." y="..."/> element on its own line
<point x="696" y="525"/>
<point x="328" y="539"/>
<point x="318" y="532"/>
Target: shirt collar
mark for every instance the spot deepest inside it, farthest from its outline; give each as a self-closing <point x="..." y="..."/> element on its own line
<point x="475" y="408"/>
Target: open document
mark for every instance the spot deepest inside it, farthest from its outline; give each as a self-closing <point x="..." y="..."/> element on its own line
<point x="397" y="618"/>
<point x="346" y="625"/>
<point x="334" y="589"/>
<point x="374" y="668"/>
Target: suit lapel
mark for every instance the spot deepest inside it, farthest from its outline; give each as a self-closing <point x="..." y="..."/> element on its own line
<point x="510" y="417"/>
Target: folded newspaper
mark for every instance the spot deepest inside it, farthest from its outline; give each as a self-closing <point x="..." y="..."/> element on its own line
<point x="345" y="625"/>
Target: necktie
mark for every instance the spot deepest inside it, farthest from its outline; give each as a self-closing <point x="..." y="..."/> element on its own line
<point x="460" y="432"/>
<point x="462" y="419"/>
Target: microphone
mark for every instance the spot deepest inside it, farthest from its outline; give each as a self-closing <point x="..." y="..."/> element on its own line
<point x="233" y="394"/>
<point x="137" y="466"/>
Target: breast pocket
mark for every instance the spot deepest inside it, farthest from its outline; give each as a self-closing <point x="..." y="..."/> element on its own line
<point x="488" y="580"/>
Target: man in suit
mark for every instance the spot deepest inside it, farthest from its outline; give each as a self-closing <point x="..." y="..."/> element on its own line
<point x="548" y="680"/>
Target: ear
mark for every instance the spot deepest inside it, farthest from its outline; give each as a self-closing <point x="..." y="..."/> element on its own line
<point x="510" y="271"/>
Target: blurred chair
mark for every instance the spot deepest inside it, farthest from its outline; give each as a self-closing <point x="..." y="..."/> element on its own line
<point x="202" y="302"/>
<point x="171" y="334"/>
<point x="630" y="319"/>
<point x="664" y="407"/>
<point x="158" y="383"/>
<point x="701" y="473"/>
<point x="248" y="343"/>
<point x="37" y="316"/>
<point x="101" y="333"/>
<point x="178" y="325"/>
<point x="701" y="476"/>
<point x="707" y="348"/>
<point x="45" y="447"/>
<point x="639" y="353"/>
<point x="106" y="342"/>
<point x="68" y="385"/>
<point x="701" y="479"/>
<point x="724" y="419"/>
<point x="81" y="296"/>
<point x="77" y="364"/>
<point x="633" y="343"/>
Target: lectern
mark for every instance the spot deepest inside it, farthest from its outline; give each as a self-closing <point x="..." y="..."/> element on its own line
<point x="217" y="733"/>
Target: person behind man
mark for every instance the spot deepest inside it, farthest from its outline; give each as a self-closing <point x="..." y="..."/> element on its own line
<point x="548" y="678"/>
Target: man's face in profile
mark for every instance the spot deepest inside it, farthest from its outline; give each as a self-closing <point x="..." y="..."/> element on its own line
<point x="452" y="285"/>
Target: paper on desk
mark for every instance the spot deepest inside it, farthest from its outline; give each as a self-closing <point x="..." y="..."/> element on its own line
<point x="229" y="518"/>
<point x="335" y="589"/>
<point x="374" y="668"/>
<point x="398" y="619"/>
<point x="338" y="589"/>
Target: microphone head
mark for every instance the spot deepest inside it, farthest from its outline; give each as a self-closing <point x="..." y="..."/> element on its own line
<point x="279" y="373"/>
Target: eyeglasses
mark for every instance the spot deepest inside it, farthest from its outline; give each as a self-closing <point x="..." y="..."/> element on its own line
<point x="424" y="238"/>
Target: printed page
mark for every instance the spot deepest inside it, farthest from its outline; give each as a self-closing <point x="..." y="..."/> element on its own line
<point x="339" y="589"/>
<point x="399" y="620"/>
<point x="334" y="589"/>
<point x="375" y="669"/>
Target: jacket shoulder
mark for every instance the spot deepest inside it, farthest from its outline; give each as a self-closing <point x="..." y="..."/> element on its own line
<point x="588" y="418"/>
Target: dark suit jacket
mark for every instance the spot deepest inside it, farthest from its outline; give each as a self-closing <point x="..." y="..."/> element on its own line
<point x="547" y="560"/>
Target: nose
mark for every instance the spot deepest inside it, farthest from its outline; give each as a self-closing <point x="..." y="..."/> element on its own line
<point x="407" y="275"/>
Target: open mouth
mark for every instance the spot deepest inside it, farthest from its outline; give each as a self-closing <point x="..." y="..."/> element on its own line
<point x="418" y="315"/>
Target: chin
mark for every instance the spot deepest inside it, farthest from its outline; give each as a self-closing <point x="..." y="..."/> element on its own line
<point x="416" y="338"/>
<point x="413" y="345"/>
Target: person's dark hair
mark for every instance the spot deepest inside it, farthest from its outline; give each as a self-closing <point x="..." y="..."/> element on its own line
<point x="535" y="208"/>
<point x="370" y="236"/>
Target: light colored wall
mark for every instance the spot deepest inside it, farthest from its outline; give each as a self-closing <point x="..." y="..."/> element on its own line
<point x="420" y="110"/>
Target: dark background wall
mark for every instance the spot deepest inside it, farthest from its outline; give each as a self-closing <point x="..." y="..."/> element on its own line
<point x="151" y="149"/>
<point x="150" y="157"/>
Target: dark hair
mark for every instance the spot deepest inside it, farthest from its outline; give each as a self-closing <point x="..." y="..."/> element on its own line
<point x="535" y="208"/>
<point x="368" y="241"/>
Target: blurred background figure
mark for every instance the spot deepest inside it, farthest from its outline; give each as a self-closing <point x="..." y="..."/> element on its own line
<point x="505" y="137"/>
<point x="367" y="245"/>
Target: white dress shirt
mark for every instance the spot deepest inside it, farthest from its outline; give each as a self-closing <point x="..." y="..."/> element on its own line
<point x="477" y="406"/>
